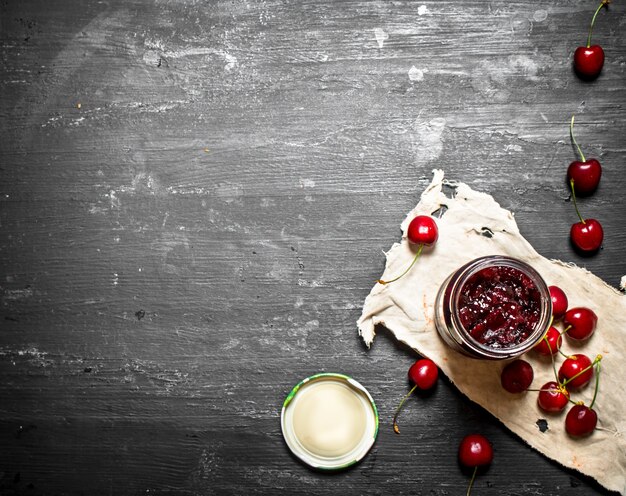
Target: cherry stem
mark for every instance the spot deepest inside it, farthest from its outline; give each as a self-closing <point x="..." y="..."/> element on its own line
<point x="417" y="255"/>
<point x="595" y="392"/>
<point x="564" y="332"/>
<point x="593" y="19"/>
<point x="571" y="134"/>
<point x="469" y="488"/>
<point x="549" y="390"/>
<point x="556" y="375"/>
<point x="571" y="183"/>
<point x="396" y="429"/>
<point x="596" y="361"/>
<point x="563" y="354"/>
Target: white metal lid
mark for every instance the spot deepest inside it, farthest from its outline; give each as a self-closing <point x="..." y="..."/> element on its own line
<point x="301" y="396"/>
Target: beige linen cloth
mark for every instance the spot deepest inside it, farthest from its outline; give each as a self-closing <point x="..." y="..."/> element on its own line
<point x="405" y="307"/>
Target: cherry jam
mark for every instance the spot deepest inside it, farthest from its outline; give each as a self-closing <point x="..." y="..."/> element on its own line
<point x="493" y="307"/>
<point x="499" y="306"/>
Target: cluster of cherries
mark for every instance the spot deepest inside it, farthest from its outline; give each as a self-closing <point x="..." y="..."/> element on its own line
<point x="584" y="175"/>
<point x="577" y="370"/>
<point x="575" y="373"/>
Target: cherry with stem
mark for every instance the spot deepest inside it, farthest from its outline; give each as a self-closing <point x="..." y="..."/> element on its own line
<point x="585" y="173"/>
<point x="577" y="371"/>
<point x="423" y="375"/>
<point x="553" y="397"/>
<point x="581" y="323"/>
<point x="422" y="231"/>
<point x="475" y="451"/>
<point x="586" y="235"/>
<point x="589" y="60"/>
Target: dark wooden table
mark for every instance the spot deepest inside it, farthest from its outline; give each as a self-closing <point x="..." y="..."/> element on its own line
<point x="194" y="200"/>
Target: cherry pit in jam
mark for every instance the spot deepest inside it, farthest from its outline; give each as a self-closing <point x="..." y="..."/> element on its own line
<point x="494" y="307"/>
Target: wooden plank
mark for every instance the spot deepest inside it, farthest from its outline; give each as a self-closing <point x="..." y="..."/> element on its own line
<point x="194" y="200"/>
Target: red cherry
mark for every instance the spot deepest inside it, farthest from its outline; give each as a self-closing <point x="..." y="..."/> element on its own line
<point x="581" y="322"/>
<point x="586" y="175"/>
<point x="559" y="302"/>
<point x="577" y="370"/>
<point x="553" y="344"/>
<point x="588" y="61"/>
<point x="580" y="421"/>
<point x="587" y="236"/>
<point x="475" y="451"/>
<point x="517" y="376"/>
<point x="423" y="375"/>
<point x="553" y="397"/>
<point x="583" y="174"/>
<point x="422" y="230"/>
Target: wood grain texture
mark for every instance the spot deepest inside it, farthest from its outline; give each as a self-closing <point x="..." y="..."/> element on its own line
<point x="194" y="197"/>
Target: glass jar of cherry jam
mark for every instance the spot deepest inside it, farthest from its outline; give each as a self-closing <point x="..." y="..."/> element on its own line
<point x="494" y="307"/>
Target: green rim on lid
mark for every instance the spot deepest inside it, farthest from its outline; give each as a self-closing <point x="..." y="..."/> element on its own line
<point x="346" y="459"/>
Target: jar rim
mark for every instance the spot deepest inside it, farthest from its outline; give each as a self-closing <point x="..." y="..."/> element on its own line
<point x="478" y="264"/>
